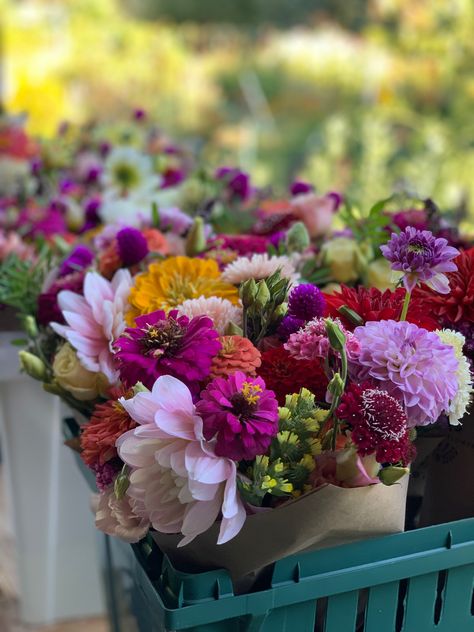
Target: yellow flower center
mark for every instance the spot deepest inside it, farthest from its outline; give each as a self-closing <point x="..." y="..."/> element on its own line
<point x="250" y="392"/>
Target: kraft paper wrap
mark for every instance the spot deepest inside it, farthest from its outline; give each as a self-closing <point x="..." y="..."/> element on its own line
<point x="326" y="517"/>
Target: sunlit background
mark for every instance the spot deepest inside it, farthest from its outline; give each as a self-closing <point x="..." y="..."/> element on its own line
<point x="362" y="97"/>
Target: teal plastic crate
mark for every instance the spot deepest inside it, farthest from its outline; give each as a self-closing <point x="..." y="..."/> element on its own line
<point x="419" y="581"/>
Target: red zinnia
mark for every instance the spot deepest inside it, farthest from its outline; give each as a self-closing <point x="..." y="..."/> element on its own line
<point x="286" y="375"/>
<point x="108" y="422"/>
<point x="373" y="305"/>
<point x="458" y="305"/>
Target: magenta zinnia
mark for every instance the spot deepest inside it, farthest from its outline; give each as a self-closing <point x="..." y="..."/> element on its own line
<point x="170" y="344"/>
<point x="241" y="414"/>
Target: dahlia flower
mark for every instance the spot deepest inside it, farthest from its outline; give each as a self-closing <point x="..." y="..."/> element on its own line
<point x="167" y="284"/>
<point x="236" y="354"/>
<point x="311" y="342"/>
<point x="411" y="364"/>
<point x="460" y="403"/>
<point x="95" y="320"/>
<point x="177" y="480"/>
<point x="241" y="414"/>
<point x="259" y="266"/>
<point x="161" y="344"/>
<point x="220" y="310"/>
<point x="422" y="258"/>
<point x="117" y="517"/>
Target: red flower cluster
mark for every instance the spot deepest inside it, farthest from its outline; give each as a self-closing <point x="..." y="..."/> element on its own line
<point x="458" y="305"/>
<point x="372" y="304"/>
<point x="285" y="375"/>
<point x="378" y="423"/>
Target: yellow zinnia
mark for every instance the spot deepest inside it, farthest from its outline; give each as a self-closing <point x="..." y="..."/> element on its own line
<point x="166" y="284"/>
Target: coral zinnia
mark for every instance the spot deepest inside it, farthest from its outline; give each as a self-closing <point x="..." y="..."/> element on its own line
<point x="169" y="283"/>
<point x="170" y="344"/>
<point x="372" y="304"/>
<point x="458" y="305"/>
<point x="284" y="374"/>
<point x="378" y="422"/>
<point x="108" y="422"/>
<point x="236" y="354"/>
<point x="241" y="413"/>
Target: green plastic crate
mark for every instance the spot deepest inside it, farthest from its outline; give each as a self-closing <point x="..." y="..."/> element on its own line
<point x="419" y="581"/>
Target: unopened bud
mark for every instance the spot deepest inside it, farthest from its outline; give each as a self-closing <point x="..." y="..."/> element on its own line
<point x="336" y="385"/>
<point x="392" y="474"/>
<point x="351" y="315"/>
<point x="121" y="484"/>
<point x="33" y="366"/>
<point x="140" y="388"/>
<point x="30" y="326"/>
<point x="248" y="291"/>
<point x="337" y="339"/>
<point x="263" y="296"/>
<point x="233" y="330"/>
<point x="196" y="239"/>
<point x="297" y="238"/>
<point x="279" y="312"/>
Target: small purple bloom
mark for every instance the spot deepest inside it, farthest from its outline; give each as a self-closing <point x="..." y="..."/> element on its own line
<point x="172" y="177"/>
<point x="174" y="219"/>
<point x="68" y="187"/>
<point x="170" y="344"/>
<point x="105" y="474"/>
<point x="238" y="182"/>
<point x="132" y="246"/>
<point x="299" y="186"/>
<point x="306" y="302"/>
<point x="79" y="259"/>
<point x="139" y="114"/>
<point x="421" y="257"/>
<point x="289" y="325"/>
<point x="337" y="198"/>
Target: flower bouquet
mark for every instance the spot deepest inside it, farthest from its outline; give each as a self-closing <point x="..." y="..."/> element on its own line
<point x="231" y="405"/>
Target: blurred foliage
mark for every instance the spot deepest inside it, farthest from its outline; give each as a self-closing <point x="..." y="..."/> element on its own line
<point x="363" y="103"/>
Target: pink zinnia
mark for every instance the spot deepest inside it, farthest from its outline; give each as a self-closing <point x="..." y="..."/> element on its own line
<point x="241" y="414"/>
<point x="95" y="320"/>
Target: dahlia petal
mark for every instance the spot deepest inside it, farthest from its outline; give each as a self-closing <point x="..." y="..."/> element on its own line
<point x="439" y="283"/>
<point x="173" y="395"/>
<point x="73" y="302"/>
<point x="96" y="291"/>
<point x="199" y="517"/>
<point x="136" y="452"/>
<point x="142" y="407"/>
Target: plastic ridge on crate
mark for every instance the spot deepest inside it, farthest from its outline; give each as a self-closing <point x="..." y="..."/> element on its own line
<point x="419" y="581"/>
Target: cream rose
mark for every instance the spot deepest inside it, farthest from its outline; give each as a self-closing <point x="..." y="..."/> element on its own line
<point x="381" y="276"/>
<point x="344" y="258"/>
<point x="74" y="378"/>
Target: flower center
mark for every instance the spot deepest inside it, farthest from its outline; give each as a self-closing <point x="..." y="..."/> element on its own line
<point x="417" y="248"/>
<point x="245" y="402"/>
<point x="126" y="175"/>
<point x="162" y="339"/>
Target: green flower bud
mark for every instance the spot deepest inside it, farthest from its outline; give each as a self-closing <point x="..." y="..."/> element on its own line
<point x="392" y="474"/>
<point x="248" y="292"/>
<point x="233" y="330"/>
<point x="121" y="483"/>
<point x="279" y="312"/>
<point x="263" y="296"/>
<point x="337" y="339"/>
<point x="33" y="366"/>
<point x="297" y="238"/>
<point x="29" y="323"/>
<point x="196" y="239"/>
<point x="140" y="388"/>
<point x="336" y="385"/>
<point x="351" y="315"/>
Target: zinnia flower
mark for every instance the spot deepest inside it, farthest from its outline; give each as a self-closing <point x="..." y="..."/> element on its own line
<point x="460" y="403"/>
<point x="283" y="374"/>
<point x="236" y="354"/>
<point x="378" y="423"/>
<point x="458" y="305"/>
<point x="170" y="344"/>
<point x="221" y="310"/>
<point x="108" y="422"/>
<point x="422" y="258"/>
<point x="95" y="320"/>
<point x="241" y="414"/>
<point x="177" y="480"/>
<point x="167" y="284"/>
<point x="258" y="267"/>
<point x="411" y="364"/>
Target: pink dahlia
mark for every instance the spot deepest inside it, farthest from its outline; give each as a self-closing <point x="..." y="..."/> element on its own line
<point x="162" y="344"/>
<point x="95" y="320"/>
<point x="177" y="481"/>
<point x="411" y="364"/>
<point x="241" y="414"/>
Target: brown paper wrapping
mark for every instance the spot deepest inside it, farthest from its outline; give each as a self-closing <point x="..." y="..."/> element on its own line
<point x="326" y="517"/>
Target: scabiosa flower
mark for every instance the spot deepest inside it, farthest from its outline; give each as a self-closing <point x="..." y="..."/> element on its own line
<point x="460" y="403"/>
<point x="411" y="364"/>
<point x="284" y="374"/>
<point x="259" y="267"/>
<point x="306" y="302"/>
<point x="108" y="422"/>
<point x="311" y="342"/>
<point x="80" y="258"/>
<point x="132" y="246"/>
<point x="241" y="414"/>
<point x="235" y="354"/>
<point x="167" y="345"/>
<point x="378" y="423"/>
<point x="421" y="257"/>
<point x="220" y="310"/>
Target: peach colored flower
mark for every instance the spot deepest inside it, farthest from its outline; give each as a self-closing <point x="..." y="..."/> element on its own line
<point x="236" y="354"/>
<point x="117" y="517"/>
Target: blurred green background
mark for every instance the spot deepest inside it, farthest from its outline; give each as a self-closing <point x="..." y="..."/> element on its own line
<point x="359" y="96"/>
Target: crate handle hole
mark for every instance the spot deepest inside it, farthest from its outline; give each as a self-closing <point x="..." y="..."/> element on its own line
<point x="438" y="606"/>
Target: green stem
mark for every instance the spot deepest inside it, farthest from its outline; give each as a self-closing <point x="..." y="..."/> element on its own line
<point x="406" y="302"/>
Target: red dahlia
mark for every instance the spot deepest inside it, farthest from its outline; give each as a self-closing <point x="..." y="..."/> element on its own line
<point x="373" y="305"/>
<point x="458" y="305"/>
<point x="378" y="423"/>
<point x="285" y="375"/>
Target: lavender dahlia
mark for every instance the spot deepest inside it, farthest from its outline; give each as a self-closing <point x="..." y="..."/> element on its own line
<point x="411" y="364"/>
<point x="241" y="414"/>
<point x="421" y="257"/>
<point x="170" y="344"/>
